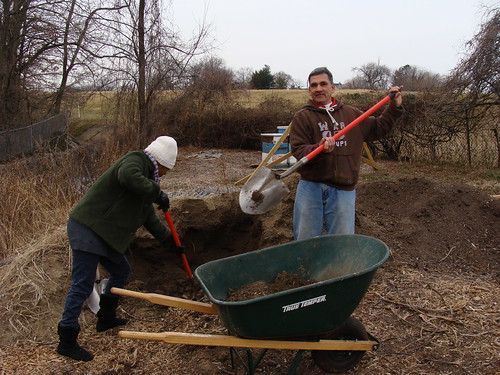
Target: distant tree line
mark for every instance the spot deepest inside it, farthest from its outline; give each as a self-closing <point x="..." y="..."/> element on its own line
<point x="375" y="76"/>
<point x="49" y="50"/>
<point x="214" y="72"/>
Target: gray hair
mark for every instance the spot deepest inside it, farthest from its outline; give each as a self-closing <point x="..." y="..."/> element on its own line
<point x="318" y="71"/>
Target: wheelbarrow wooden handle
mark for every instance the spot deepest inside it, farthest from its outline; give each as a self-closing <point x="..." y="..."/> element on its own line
<point x="232" y="341"/>
<point x="160" y="299"/>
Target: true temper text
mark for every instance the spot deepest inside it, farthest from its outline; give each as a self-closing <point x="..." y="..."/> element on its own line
<point x="308" y="302"/>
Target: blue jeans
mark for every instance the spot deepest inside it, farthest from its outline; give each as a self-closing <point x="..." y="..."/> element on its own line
<point x="319" y="206"/>
<point x="83" y="274"/>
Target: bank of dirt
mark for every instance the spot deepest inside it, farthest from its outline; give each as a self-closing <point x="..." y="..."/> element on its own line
<point x="433" y="305"/>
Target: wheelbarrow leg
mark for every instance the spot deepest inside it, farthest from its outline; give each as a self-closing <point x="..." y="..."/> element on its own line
<point x="296" y="361"/>
<point x="251" y="363"/>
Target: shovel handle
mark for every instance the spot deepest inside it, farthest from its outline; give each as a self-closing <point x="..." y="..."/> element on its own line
<point x="177" y="241"/>
<point x="354" y="123"/>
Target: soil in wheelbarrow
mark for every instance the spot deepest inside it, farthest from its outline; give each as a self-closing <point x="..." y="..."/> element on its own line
<point x="283" y="281"/>
<point x="433" y="305"/>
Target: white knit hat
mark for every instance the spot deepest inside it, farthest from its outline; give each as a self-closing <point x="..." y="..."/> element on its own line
<point x="164" y="150"/>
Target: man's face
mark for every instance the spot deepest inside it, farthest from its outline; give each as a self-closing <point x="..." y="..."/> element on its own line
<point x="321" y="89"/>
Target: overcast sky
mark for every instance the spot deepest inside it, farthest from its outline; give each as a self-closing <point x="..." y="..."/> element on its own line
<point x="296" y="36"/>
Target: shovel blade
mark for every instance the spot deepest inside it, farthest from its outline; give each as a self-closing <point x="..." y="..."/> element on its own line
<point x="262" y="192"/>
<point x="95" y="296"/>
<point x="93" y="301"/>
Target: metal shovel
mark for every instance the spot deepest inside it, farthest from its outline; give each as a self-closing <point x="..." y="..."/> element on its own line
<point x="95" y="296"/>
<point x="177" y="241"/>
<point x="265" y="189"/>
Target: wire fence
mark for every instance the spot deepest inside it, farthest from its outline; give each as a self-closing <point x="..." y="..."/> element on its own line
<point x="24" y="140"/>
<point x="483" y="150"/>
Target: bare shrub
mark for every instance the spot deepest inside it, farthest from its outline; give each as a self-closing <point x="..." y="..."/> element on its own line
<point x="223" y="123"/>
<point x="42" y="189"/>
<point x="432" y="130"/>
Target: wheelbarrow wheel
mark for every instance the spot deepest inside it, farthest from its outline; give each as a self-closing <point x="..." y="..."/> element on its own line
<point x="335" y="361"/>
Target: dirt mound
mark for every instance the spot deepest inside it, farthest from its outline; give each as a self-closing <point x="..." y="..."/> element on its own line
<point x="431" y="224"/>
<point x="433" y="305"/>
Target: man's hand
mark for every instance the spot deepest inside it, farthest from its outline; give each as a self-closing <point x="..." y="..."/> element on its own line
<point x="163" y="202"/>
<point x="329" y="144"/>
<point x="398" y="98"/>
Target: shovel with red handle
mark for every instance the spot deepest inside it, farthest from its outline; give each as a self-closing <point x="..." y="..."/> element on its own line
<point x="265" y="189"/>
<point x="177" y="241"/>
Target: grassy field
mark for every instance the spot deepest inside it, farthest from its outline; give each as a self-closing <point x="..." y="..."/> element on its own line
<point x="88" y="110"/>
<point x="297" y="97"/>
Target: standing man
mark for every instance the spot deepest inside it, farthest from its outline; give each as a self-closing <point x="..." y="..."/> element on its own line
<point x="101" y="227"/>
<point x="326" y="192"/>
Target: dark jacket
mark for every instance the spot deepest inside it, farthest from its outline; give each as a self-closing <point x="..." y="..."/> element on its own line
<point x="340" y="168"/>
<point x="120" y="202"/>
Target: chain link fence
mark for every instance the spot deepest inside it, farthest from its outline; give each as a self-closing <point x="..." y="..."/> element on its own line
<point x="483" y="150"/>
<point x="24" y="140"/>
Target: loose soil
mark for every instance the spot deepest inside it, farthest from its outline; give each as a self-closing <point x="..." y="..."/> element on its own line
<point x="434" y="305"/>
<point x="283" y="281"/>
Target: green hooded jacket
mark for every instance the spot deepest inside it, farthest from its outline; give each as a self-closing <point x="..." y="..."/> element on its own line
<point x="120" y="202"/>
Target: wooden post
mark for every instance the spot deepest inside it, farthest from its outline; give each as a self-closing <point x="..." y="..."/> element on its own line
<point x="369" y="159"/>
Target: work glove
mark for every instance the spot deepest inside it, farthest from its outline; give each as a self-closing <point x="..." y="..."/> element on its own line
<point x="172" y="247"/>
<point x="163" y="202"/>
<point x="179" y="250"/>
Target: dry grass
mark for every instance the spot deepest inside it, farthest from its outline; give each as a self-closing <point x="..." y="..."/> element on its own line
<point x="37" y="201"/>
<point x="442" y="320"/>
<point x="40" y="190"/>
<point x="25" y="284"/>
<point x="429" y="322"/>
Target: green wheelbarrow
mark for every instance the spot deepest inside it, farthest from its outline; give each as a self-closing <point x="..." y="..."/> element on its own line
<point x="315" y="317"/>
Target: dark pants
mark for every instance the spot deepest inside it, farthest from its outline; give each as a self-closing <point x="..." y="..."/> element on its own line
<point x="83" y="274"/>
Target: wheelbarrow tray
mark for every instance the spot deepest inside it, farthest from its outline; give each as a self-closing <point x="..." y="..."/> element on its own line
<point x="343" y="267"/>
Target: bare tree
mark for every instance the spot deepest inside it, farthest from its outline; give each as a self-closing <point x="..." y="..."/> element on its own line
<point x="210" y="80"/>
<point x="415" y="79"/>
<point x="151" y="56"/>
<point x="243" y="78"/>
<point x="479" y="70"/>
<point x="282" y="80"/>
<point x="357" y="82"/>
<point x="43" y="45"/>
<point x="472" y="90"/>
<point x="27" y="31"/>
<point x="82" y="42"/>
<point x="375" y="75"/>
